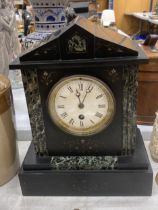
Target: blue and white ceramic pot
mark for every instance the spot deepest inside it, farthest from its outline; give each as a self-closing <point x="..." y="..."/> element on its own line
<point x="49" y="14"/>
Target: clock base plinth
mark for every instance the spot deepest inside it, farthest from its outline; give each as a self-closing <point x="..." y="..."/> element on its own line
<point x="133" y="176"/>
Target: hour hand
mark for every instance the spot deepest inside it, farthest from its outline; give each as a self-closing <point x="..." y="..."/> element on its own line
<point x="78" y="95"/>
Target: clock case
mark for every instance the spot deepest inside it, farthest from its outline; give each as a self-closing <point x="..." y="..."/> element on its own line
<point x="70" y="161"/>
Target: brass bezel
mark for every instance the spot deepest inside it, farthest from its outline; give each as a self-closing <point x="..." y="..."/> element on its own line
<point x="87" y="131"/>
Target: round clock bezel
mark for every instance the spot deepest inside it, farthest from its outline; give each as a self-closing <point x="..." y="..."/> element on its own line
<point x="66" y="128"/>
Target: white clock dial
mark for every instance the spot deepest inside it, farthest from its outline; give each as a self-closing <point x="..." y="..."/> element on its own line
<point x="81" y="105"/>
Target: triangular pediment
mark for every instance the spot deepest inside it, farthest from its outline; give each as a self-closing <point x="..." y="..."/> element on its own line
<point x="82" y="39"/>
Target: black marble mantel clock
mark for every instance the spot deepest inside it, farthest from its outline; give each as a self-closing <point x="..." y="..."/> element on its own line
<point x="81" y="90"/>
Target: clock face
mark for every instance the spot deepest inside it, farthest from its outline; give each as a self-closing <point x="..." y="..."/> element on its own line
<point x="81" y="105"/>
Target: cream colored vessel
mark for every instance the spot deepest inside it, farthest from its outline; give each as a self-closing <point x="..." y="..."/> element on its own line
<point x="9" y="159"/>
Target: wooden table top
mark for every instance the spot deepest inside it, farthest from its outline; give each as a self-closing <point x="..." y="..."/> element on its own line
<point x="149" y="53"/>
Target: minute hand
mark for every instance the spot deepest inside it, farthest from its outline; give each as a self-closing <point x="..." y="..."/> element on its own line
<point x="88" y="90"/>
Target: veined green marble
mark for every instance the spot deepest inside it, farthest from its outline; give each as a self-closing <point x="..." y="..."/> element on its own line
<point x="129" y="108"/>
<point x="33" y="99"/>
<point x="83" y="162"/>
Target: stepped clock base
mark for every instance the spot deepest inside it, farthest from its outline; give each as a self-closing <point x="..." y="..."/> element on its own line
<point x="133" y="176"/>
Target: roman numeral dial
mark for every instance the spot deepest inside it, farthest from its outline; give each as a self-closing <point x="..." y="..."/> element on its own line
<point x="81" y="105"/>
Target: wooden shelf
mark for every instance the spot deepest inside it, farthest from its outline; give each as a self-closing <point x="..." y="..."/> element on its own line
<point x="147" y="89"/>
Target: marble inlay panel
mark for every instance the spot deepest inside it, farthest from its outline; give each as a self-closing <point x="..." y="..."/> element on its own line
<point x="129" y="108"/>
<point x="33" y="99"/>
<point x="83" y="162"/>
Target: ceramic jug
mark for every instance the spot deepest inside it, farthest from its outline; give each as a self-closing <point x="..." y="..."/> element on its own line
<point x="9" y="159"/>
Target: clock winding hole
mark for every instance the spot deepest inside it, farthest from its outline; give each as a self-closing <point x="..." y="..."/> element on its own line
<point x="81" y="117"/>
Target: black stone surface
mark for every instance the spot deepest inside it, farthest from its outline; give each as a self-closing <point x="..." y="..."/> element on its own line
<point x="51" y="140"/>
<point x="132" y="176"/>
<point x="82" y="39"/>
<point x="105" y="142"/>
<point x="65" y="64"/>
